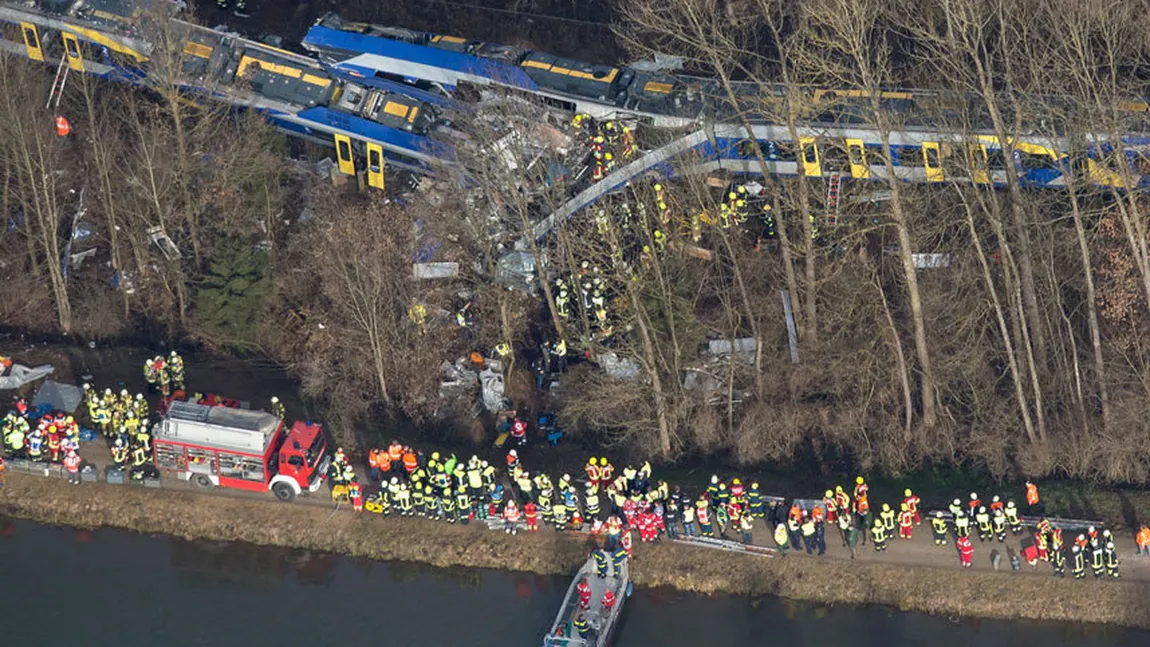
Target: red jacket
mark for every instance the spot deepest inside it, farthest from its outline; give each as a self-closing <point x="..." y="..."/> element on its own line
<point x="529" y="511"/>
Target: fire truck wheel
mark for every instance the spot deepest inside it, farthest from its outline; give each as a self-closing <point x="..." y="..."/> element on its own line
<point x="284" y="492"/>
<point x="201" y="480"/>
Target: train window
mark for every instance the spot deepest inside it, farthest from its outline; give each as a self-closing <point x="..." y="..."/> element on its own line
<point x="1031" y="161"/>
<point x="811" y="153"/>
<point x="781" y="152"/>
<point x="834" y="156"/>
<point x="995" y="160"/>
<point x="910" y="156"/>
<point x="746" y="148"/>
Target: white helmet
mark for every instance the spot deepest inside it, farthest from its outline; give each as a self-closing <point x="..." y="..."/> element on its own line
<point x="394" y="480"/>
<point x="107" y="391"/>
<point x="275" y="399"/>
<point x="973" y="496"/>
<point x="87" y="386"/>
<point x="173" y="353"/>
<point x="995" y="499"/>
<point x="139" y="396"/>
<point x="514" y="453"/>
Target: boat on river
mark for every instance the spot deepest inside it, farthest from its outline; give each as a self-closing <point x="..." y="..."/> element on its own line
<point x="601" y="620"/>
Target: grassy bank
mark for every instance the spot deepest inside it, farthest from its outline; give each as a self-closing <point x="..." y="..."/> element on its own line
<point x="944" y="591"/>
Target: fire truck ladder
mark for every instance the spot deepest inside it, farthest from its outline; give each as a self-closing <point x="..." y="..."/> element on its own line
<point x="833" y="186"/>
<point x="58" y="84"/>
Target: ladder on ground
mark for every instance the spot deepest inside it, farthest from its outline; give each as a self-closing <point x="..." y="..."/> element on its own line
<point x="833" y="187"/>
<point x="58" y="84"/>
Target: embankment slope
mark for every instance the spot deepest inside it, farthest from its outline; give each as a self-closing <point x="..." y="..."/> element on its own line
<point x="939" y="590"/>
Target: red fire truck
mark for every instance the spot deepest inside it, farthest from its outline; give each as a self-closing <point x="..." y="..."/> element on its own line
<point x="250" y="450"/>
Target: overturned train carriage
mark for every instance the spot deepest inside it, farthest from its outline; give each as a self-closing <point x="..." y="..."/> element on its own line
<point x="366" y="122"/>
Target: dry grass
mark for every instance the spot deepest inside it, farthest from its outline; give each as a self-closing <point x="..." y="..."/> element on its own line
<point x="945" y="591"/>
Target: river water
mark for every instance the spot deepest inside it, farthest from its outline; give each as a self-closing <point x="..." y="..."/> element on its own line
<point x="60" y="586"/>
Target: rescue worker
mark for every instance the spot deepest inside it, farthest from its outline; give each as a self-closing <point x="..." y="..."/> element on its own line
<point x="431" y="504"/>
<point x="1078" y="566"/>
<point x="912" y="502"/>
<point x="1097" y="563"/>
<point x="755" y="501"/>
<point x="843" y="500"/>
<point x="747" y="526"/>
<point x="1111" y="556"/>
<point x="403" y="493"/>
<point x="808" y="530"/>
<point x="72" y="467"/>
<point x="973" y="504"/>
<point x="955" y="507"/>
<point x="531" y="516"/>
<point x="831" y="506"/>
<point x="356" y="495"/>
<point x="600" y="563"/>
<point x="1058" y="560"/>
<point x="887" y="517"/>
<point x="511" y="518"/>
<point x="703" y="512"/>
<point x="982" y="518"/>
<point x="965" y="551"/>
<point x="1033" y="504"/>
<point x="559" y="514"/>
<point x="860" y="483"/>
<point x="418" y="501"/>
<point x="878" y="536"/>
<point x="1142" y="540"/>
<point x="176" y="368"/>
<point x="119" y="454"/>
<point x="608" y="601"/>
<point x="582" y="627"/>
<point x="1012" y="518"/>
<point x="939" y="528"/>
<point x="591" y="500"/>
<point x="999" y="523"/>
<point x="278" y="409"/>
<point x="905" y="522"/>
<point x="139" y="461"/>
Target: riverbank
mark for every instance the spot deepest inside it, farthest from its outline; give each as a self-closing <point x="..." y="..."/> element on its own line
<point x="937" y="590"/>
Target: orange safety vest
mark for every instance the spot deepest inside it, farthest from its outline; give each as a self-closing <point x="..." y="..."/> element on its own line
<point x="410" y="462"/>
<point x="395" y="452"/>
<point x="63" y="128"/>
<point x="863" y="505"/>
<point x="1143" y="537"/>
<point x="1032" y="494"/>
<point x="373" y="458"/>
<point x="72" y="463"/>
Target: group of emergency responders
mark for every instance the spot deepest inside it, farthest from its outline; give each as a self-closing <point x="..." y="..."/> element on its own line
<point x="611" y="143"/>
<point x="165" y="375"/>
<point x="613" y="506"/>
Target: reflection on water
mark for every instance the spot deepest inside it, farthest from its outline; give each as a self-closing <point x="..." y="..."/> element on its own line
<point x="212" y="593"/>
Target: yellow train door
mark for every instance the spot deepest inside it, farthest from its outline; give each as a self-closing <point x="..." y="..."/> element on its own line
<point x="856" y="155"/>
<point x="932" y="161"/>
<point x="809" y="157"/>
<point x="375" y="166"/>
<point x="344" y="155"/>
<point x="72" y="51"/>
<point x="32" y="41"/>
<point x="978" y="163"/>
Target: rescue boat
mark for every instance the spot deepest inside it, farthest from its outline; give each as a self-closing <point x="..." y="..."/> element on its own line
<point x="602" y="621"/>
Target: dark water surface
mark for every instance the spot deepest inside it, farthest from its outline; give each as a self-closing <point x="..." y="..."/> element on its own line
<point x="61" y="586"/>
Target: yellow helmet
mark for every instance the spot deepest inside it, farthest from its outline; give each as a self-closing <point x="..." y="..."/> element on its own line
<point x="592" y="461"/>
<point x="906" y="492"/>
<point x="829" y="494"/>
<point x="904" y="508"/>
<point x="859" y="480"/>
<point x="602" y="461"/>
<point x="735" y="482"/>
